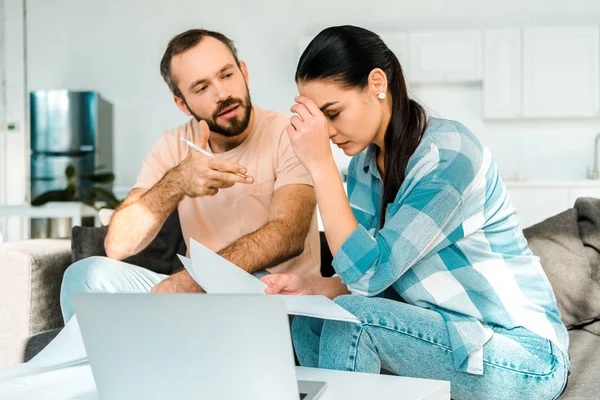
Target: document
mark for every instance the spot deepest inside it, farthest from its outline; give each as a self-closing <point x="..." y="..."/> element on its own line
<point x="217" y="275"/>
<point x="65" y="350"/>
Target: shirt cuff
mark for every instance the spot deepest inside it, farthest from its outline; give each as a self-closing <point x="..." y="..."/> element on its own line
<point x="356" y="255"/>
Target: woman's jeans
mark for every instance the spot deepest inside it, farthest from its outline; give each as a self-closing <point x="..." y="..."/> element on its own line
<point x="413" y="341"/>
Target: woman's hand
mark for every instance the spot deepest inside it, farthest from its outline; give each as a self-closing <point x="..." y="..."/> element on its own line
<point x="309" y="134"/>
<point x="289" y="283"/>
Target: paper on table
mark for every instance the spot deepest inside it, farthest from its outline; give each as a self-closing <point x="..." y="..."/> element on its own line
<point x="217" y="275"/>
<point x="65" y="350"/>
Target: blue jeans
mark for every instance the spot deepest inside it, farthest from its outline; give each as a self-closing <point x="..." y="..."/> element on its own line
<point x="101" y="274"/>
<point x="413" y="341"/>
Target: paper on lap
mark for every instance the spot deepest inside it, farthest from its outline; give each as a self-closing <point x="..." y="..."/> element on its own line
<point x="217" y="275"/>
<point x="65" y="350"/>
<point x="74" y="382"/>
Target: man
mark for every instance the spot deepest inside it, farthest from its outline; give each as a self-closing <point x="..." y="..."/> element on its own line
<point x="254" y="203"/>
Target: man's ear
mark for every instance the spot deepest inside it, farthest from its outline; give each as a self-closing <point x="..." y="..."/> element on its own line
<point x="244" y="69"/>
<point x="181" y="105"/>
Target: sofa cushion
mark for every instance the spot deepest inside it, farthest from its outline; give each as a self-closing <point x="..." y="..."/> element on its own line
<point x="38" y="342"/>
<point x="159" y="256"/>
<point x="571" y="266"/>
<point x="30" y="275"/>
<point x="584" y="352"/>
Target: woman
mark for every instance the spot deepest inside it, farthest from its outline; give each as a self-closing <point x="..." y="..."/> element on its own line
<point x="426" y="242"/>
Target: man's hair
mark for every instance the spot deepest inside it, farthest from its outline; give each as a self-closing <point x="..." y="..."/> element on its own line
<point x="182" y="43"/>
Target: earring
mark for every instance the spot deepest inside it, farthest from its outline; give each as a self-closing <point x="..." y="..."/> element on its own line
<point x="381" y="95"/>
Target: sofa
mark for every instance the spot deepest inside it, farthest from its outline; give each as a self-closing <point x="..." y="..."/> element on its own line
<point x="568" y="245"/>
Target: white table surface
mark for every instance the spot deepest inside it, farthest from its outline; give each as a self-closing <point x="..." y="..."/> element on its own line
<point x="78" y="383"/>
<point x="343" y="385"/>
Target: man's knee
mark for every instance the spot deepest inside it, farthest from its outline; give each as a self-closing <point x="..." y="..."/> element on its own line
<point x="87" y="275"/>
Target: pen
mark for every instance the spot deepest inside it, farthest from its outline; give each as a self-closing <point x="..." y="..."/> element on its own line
<point x="206" y="153"/>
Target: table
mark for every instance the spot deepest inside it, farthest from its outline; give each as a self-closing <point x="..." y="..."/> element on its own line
<point x="77" y="382"/>
<point x="72" y="209"/>
<point x="342" y="385"/>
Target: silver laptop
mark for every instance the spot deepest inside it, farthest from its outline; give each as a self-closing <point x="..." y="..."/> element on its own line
<point x="190" y="346"/>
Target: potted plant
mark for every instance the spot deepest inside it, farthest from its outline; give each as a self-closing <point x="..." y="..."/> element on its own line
<point x="86" y="189"/>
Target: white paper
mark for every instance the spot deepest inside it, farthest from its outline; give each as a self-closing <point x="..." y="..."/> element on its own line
<point x="75" y="382"/>
<point x="317" y="307"/>
<point x="217" y="275"/>
<point x="65" y="350"/>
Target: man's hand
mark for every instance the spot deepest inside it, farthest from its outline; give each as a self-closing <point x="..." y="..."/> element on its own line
<point x="199" y="175"/>
<point x="180" y="282"/>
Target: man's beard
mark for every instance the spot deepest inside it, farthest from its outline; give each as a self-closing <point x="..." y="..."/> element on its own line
<point x="235" y="126"/>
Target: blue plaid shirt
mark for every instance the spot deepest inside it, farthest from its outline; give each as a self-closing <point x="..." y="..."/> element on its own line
<point x="450" y="243"/>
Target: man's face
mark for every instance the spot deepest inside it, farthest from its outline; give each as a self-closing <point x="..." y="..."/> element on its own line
<point x="214" y="88"/>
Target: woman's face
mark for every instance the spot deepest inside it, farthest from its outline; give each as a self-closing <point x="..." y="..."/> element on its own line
<point x="355" y="115"/>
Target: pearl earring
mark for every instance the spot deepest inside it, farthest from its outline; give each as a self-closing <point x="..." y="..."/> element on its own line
<point x="381" y="95"/>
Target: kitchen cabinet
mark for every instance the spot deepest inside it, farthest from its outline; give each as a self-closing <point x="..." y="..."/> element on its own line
<point x="445" y="56"/>
<point x="561" y="72"/>
<point x="502" y="74"/>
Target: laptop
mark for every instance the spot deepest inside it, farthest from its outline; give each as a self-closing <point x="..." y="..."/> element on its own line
<point x="190" y="346"/>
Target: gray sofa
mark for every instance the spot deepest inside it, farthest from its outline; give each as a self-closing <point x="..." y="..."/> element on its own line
<point x="31" y="273"/>
<point x="30" y="277"/>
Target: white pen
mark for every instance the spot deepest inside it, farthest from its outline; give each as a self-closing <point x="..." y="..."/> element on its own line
<point x="200" y="149"/>
<point x="206" y="153"/>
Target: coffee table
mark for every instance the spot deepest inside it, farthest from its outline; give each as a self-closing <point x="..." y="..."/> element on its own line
<point x="77" y="382"/>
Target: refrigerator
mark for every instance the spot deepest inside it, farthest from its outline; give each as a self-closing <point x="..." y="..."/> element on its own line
<point x="68" y="128"/>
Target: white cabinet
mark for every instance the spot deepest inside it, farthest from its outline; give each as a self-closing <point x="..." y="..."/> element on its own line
<point x="537" y="201"/>
<point x="561" y="72"/>
<point x="576" y="193"/>
<point x="534" y="205"/>
<point x="445" y="56"/>
<point x="502" y="74"/>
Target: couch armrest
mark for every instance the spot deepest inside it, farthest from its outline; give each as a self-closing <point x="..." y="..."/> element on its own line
<point x="31" y="274"/>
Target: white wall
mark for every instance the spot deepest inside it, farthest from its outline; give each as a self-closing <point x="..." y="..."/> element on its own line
<point x="115" y="47"/>
<point x="17" y="155"/>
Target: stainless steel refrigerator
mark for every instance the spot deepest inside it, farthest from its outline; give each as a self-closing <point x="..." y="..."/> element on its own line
<point x="68" y="128"/>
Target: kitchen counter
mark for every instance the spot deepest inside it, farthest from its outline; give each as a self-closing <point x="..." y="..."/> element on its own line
<point x="551" y="184"/>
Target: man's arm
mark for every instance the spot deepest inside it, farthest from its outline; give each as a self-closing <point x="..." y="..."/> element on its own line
<point x="137" y="222"/>
<point x="283" y="237"/>
<point x="279" y="240"/>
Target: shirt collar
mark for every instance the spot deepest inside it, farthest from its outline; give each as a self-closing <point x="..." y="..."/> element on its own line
<point x="371" y="160"/>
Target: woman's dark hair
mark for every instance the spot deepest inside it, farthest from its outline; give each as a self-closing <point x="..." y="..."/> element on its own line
<point x="346" y="55"/>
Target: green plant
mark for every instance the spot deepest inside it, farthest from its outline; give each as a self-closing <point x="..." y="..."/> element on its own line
<point x="86" y="189"/>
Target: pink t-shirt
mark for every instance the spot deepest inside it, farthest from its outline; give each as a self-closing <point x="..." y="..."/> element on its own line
<point x="217" y="221"/>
